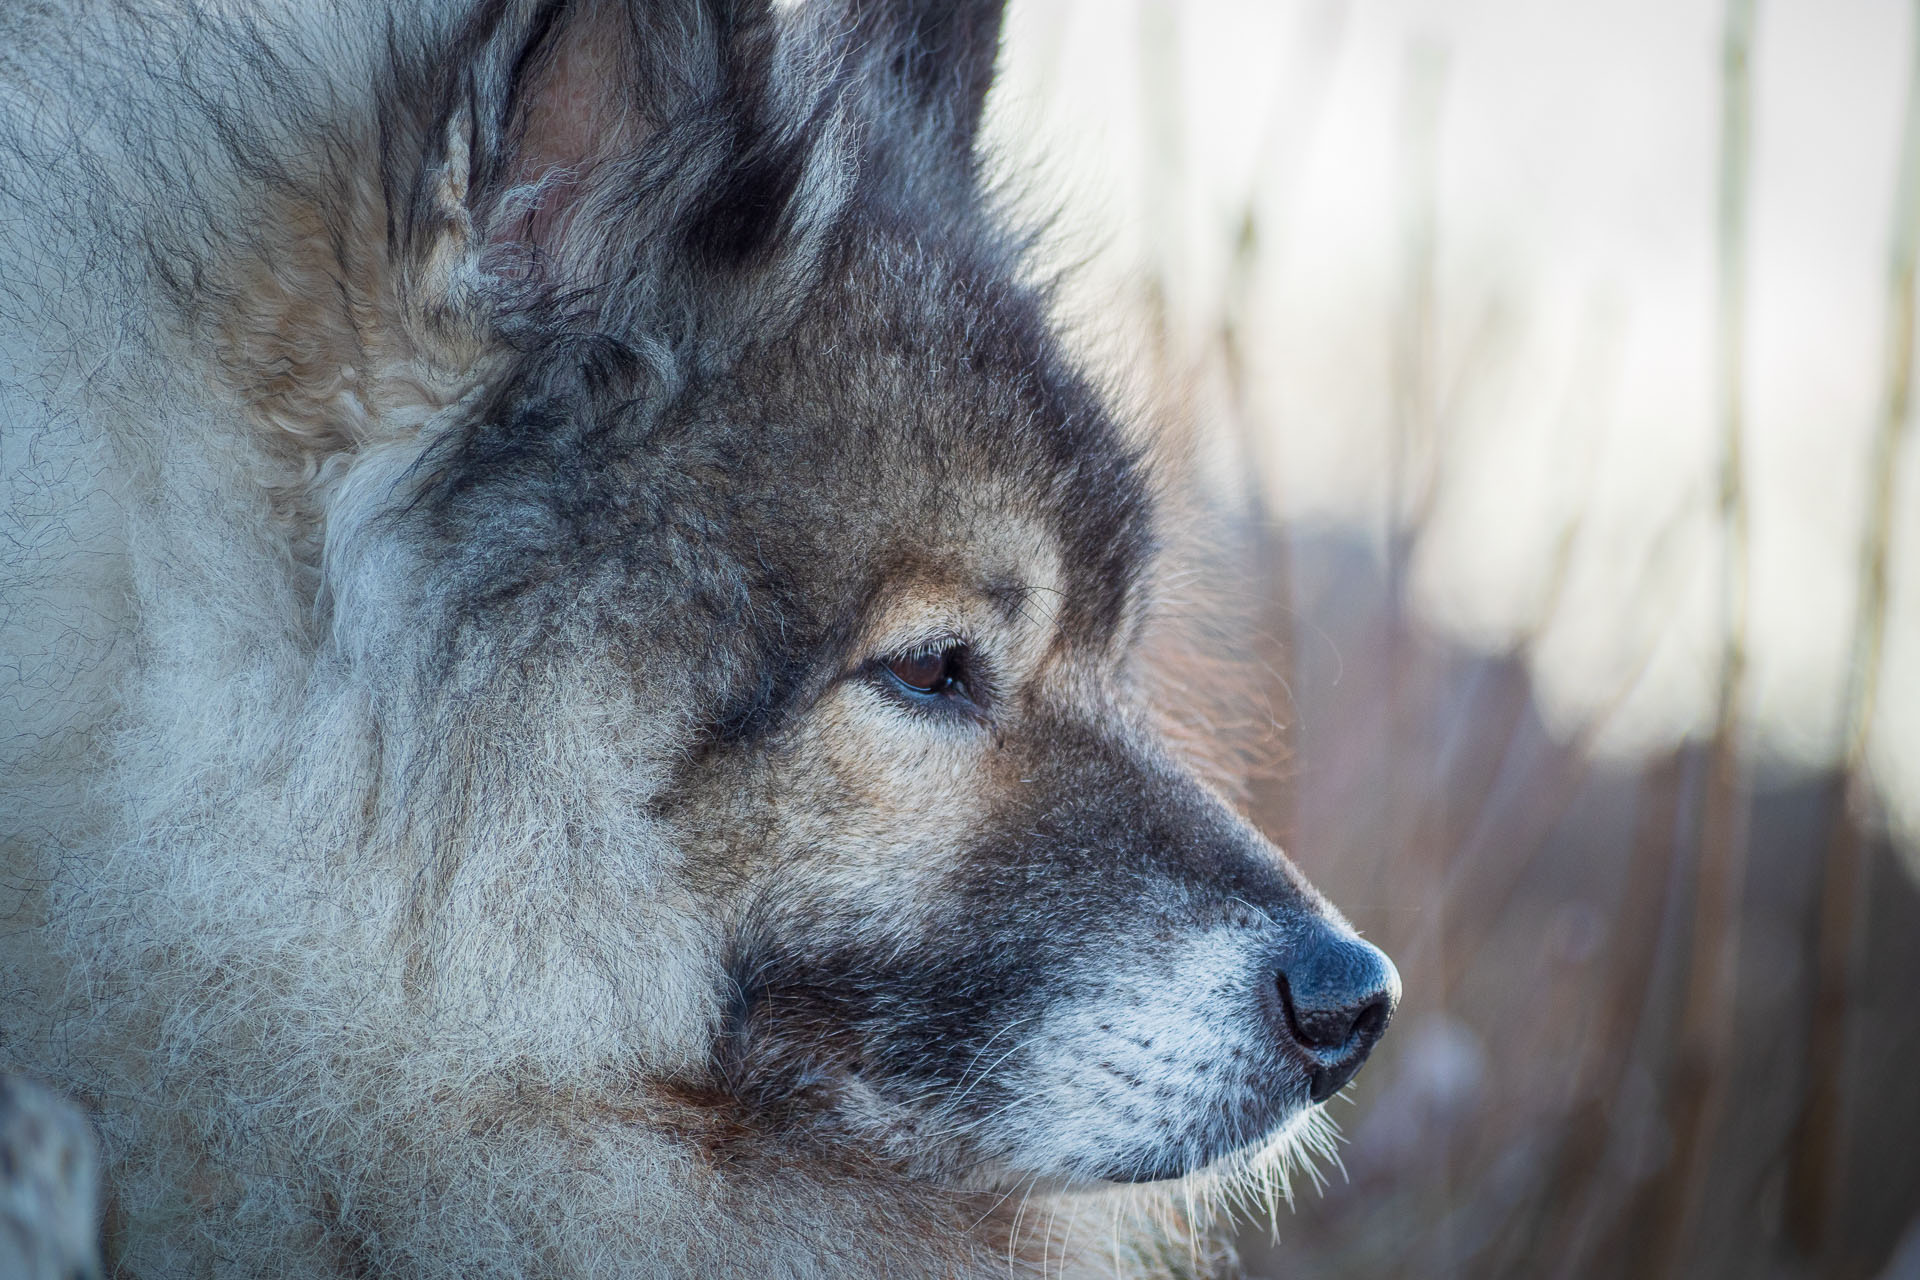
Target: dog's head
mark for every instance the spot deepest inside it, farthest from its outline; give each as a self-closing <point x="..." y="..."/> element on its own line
<point x="770" y="586"/>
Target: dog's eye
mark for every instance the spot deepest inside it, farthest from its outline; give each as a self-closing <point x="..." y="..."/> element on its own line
<point x="931" y="671"/>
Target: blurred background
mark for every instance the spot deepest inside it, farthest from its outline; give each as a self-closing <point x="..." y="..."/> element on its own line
<point x="1537" y="375"/>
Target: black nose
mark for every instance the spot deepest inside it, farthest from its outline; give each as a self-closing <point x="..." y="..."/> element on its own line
<point x="1334" y="995"/>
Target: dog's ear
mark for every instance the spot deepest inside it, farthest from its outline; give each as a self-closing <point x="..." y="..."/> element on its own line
<point x="934" y="62"/>
<point x="594" y="154"/>
<point x="647" y="179"/>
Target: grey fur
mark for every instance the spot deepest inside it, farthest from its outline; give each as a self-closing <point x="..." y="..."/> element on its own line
<point x="49" y="1195"/>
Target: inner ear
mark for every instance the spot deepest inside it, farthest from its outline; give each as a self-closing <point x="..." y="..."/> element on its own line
<point x="571" y="110"/>
<point x="538" y="103"/>
<point x="604" y="153"/>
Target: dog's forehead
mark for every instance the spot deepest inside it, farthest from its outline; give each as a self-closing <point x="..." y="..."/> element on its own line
<point x="938" y="428"/>
<point x="996" y="567"/>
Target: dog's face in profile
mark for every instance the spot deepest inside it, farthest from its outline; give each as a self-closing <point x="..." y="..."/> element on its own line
<point x="687" y="610"/>
<point x="892" y="557"/>
<point x="974" y="909"/>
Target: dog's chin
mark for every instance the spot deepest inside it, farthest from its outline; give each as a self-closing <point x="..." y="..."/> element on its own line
<point x="1169" y="1166"/>
<point x="1202" y="1153"/>
<point x="1135" y="1170"/>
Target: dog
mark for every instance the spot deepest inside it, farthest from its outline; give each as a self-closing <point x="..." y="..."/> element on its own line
<point x="573" y="649"/>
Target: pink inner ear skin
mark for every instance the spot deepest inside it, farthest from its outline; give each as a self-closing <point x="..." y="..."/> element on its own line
<point x="579" y="112"/>
<point x="576" y="115"/>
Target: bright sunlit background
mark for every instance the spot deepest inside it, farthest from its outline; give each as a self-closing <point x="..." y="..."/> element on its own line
<point x="1544" y="366"/>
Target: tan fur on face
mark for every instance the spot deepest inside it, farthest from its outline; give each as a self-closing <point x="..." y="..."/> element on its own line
<point x="885" y="784"/>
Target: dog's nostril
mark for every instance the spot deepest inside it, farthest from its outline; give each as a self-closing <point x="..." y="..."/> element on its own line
<point x="1334" y="1028"/>
<point x="1310" y="1031"/>
<point x="1372" y="1019"/>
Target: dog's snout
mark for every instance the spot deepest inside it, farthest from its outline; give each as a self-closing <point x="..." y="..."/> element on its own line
<point x="1334" y="995"/>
